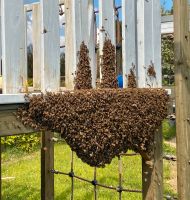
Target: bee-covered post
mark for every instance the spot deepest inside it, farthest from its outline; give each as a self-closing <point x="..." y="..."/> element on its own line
<point x="79" y="27"/>
<point x="142" y="35"/>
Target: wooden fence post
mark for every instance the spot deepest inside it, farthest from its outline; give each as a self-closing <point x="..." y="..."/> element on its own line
<point x="0" y="173"/>
<point x="47" y="163"/>
<point x="152" y="172"/>
<point x="182" y="89"/>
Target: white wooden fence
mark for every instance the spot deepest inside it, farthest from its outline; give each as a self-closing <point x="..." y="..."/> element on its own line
<point x="141" y="40"/>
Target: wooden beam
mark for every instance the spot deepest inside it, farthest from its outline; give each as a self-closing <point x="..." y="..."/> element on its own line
<point x="36" y="39"/>
<point x="9" y="125"/>
<point x="182" y="90"/>
<point x="50" y="49"/>
<point x="47" y="164"/>
<point x="13" y="46"/>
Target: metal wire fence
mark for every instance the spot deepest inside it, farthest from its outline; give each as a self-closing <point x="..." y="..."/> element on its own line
<point x="120" y="188"/>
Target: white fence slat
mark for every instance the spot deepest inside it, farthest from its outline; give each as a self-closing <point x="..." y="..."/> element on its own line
<point x="13" y="46"/>
<point x="141" y="44"/>
<point x="148" y="42"/>
<point x="129" y="35"/>
<point x="79" y="16"/>
<point x="50" y="52"/>
<point x="107" y="20"/>
<point x="0" y="46"/>
<point x="70" y="56"/>
<point x="36" y="39"/>
<point x="157" y="43"/>
<point x="106" y="23"/>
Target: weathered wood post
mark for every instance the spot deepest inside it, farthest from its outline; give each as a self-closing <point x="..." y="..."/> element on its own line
<point x="182" y="89"/>
<point x="47" y="164"/>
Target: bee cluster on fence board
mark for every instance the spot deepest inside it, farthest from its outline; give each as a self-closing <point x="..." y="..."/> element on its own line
<point x="83" y="79"/>
<point x="132" y="83"/>
<point x="108" y="66"/>
<point x="99" y="124"/>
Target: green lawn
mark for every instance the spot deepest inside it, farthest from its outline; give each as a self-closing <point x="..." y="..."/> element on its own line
<point x="25" y="168"/>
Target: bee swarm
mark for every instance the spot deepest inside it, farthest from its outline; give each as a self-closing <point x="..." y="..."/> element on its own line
<point x="108" y="66"/>
<point x="83" y="78"/>
<point x="99" y="124"/>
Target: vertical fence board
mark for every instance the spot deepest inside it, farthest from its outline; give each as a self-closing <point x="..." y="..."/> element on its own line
<point x="140" y="44"/>
<point x="106" y="24"/>
<point x="157" y="43"/>
<point x="182" y="89"/>
<point x="79" y="22"/>
<point x="70" y="57"/>
<point x="0" y="45"/>
<point x="47" y="164"/>
<point x="129" y="35"/>
<point x="92" y="41"/>
<point x="149" y="53"/>
<point x="0" y="173"/>
<point x="50" y="49"/>
<point x="36" y="39"/>
<point x="13" y="46"/>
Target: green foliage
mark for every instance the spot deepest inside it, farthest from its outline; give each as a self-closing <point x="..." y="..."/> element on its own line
<point x="168" y="59"/>
<point x="168" y="131"/>
<point x="25" y="142"/>
<point x="168" y="149"/>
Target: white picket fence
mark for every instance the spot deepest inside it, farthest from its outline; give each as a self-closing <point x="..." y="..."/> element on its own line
<point x="141" y="40"/>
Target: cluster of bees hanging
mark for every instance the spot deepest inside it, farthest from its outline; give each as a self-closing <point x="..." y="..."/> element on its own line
<point x="108" y="66"/>
<point x="132" y="83"/>
<point x="99" y="124"/>
<point x="83" y="79"/>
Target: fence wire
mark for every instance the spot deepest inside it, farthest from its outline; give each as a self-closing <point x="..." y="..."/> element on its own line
<point x="97" y="185"/>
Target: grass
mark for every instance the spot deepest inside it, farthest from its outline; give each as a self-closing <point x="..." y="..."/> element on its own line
<point x="25" y="168"/>
<point x="169" y="131"/>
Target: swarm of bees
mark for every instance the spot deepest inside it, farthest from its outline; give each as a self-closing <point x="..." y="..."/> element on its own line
<point x="100" y="124"/>
<point x="132" y="83"/>
<point x="108" y="66"/>
<point x="83" y="79"/>
<point x="151" y="71"/>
